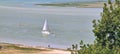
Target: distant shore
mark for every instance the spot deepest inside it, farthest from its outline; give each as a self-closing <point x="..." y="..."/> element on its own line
<point x="76" y="4"/>
<point x="7" y="48"/>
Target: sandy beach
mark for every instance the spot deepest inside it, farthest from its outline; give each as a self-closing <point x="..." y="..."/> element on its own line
<point x="21" y="49"/>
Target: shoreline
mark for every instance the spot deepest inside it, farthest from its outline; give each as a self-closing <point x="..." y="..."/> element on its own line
<point x="6" y="47"/>
<point x="47" y="10"/>
<point x="75" y="4"/>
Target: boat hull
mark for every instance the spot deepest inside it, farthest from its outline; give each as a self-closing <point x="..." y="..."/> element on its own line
<point x="45" y="32"/>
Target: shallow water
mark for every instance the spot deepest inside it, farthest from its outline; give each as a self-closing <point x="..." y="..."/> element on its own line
<point x="69" y="24"/>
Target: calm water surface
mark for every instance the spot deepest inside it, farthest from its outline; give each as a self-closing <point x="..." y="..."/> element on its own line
<point x="69" y="25"/>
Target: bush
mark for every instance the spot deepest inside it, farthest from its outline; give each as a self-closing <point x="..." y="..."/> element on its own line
<point x="106" y="30"/>
<point x="95" y="49"/>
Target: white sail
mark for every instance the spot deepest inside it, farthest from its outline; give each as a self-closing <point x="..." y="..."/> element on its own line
<point x="45" y="28"/>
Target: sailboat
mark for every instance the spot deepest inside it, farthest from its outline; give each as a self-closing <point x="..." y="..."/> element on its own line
<point x="45" y="30"/>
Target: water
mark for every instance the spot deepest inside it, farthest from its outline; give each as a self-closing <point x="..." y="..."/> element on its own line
<point x="70" y="25"/>
<point x="29" y="3"/>
<point x="23" y="25"/>
<point x="22" y="2"/>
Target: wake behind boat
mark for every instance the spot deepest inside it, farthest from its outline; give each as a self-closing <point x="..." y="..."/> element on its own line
<point x="45" y="30"/>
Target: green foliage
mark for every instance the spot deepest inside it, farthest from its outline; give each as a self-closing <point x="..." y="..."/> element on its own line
<point x="81" y="43"/>
<point x="107" y="32"/>
<point x="107" y="29"/>
<point x="95" y="49"/>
